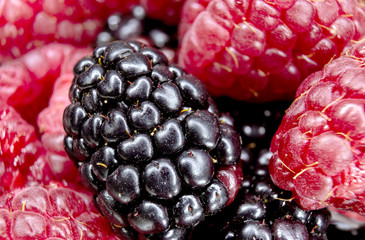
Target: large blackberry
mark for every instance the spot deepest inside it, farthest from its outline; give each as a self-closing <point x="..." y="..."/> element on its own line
<point x="149" y="140"/>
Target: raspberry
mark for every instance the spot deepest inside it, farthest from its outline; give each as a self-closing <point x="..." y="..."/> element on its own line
<point x="52" y="212"/>
<point x="29" y="24"/>
<point x="147" y="138"/>
<point x="27" y="83"/>
<point x="261" y="50"/>
<point x="22" y="154"/>
<point x="27" y="86"/>
<point x="49" y="121"/>
<point x="318" y="150"/>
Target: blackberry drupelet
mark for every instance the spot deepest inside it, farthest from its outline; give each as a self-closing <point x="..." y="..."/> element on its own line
<point x="148" y="140"/>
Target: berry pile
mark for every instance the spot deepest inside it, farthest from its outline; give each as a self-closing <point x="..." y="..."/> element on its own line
<point x="148" y="139"/>
<point x="118" y="143"/>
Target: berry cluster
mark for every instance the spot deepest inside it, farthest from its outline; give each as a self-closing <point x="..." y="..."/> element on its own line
<point x="125" y="142"/>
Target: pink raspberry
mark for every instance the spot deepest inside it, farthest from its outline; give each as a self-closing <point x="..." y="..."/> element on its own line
<point x="26" y="83"/>
<point x="35" y="87"/>
<point x="52" y="212"/>
<point x="261" y="50"/>
<point x="22" y="154"/>
<point x="52" y="133"/>
<point x="25" y="25"/>
<point x="318" y="150"/>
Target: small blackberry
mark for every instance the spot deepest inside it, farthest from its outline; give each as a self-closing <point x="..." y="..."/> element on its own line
<point x="137" y="25"/>
<point x="148" y="139"/>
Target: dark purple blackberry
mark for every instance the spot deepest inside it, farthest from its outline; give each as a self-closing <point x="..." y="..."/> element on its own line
<point x="149" y="141"/>
<point x="137" y="25"/>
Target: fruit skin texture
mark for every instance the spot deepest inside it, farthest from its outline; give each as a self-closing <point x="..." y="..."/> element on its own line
<point x="29" y="24"/>
<point x="318" y="150"/>
<point x="52" y="212"/>
<point x="261" y="50"/>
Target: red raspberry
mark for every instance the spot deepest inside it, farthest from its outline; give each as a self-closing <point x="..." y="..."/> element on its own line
<point x="51" y="128"/>
<point x="52" y="212"/>
<point x="319" y="148"/>
<point x="261" y="50"/>
<point x="26" y="84"/>
<point x="25" y="25"/>
<point x="22" y="155"/>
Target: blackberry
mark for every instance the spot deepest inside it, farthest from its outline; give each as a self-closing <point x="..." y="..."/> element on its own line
<point x="136" y="25"/>
<point x="148" y="140"/>
<point x="261" y="210"/>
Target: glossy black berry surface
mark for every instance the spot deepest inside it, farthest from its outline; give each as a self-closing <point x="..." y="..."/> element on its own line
<point x="148" y="141"/>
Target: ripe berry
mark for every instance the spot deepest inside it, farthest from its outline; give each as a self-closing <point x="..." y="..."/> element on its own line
<point x="152" y="147"/>
<point x="52" y="212"/>
<point x="261" y="50"/>
<point x="22" y="154"/>
<point x="26" y="25"/>
<point x="318" y="150"/>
